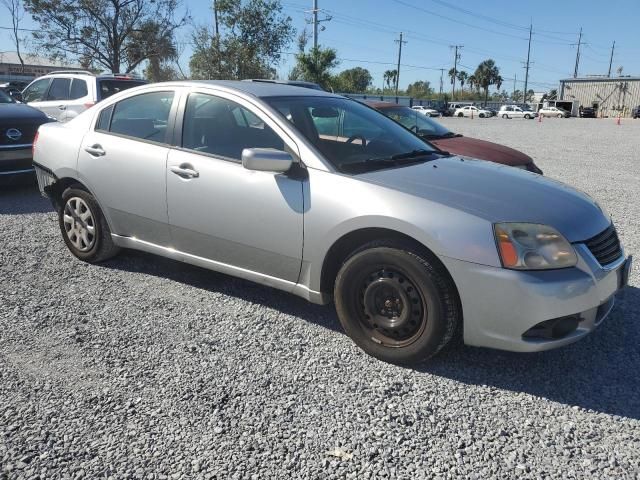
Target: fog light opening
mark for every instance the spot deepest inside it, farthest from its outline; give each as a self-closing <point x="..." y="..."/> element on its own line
<point x="553" y="329"/>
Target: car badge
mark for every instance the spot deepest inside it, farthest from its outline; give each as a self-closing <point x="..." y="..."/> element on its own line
<point x="13" y="134"/>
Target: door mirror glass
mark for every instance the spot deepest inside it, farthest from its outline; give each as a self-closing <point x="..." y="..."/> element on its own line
<point x="266" y="160"/>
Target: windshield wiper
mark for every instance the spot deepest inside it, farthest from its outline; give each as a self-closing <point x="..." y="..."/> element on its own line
<point x="414" y="156"/>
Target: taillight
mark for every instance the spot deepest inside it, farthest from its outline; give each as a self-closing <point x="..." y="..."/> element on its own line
<point x="33" y="145"/>
<point x="89" y="104"/>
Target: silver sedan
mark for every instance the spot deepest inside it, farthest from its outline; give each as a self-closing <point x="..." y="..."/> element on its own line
<point x="324" y="197"/>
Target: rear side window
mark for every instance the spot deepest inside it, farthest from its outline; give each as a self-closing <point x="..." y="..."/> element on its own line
<point x="104" y="120"/>
<point x="59" y="89"/>
<point x="144" y="116"/>
<point x="78" y="89"/>
<point x="36" y="91"/>
<point x="109" y="87"/>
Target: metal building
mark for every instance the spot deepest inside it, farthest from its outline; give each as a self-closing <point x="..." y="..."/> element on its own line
<point x="609" y="96"/>
<point x="34" y="66"/>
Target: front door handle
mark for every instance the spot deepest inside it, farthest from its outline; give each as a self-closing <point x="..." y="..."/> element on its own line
<point x="184" y="172"/>
<point x="62" y="107"/>
<point x="95" y="150"/>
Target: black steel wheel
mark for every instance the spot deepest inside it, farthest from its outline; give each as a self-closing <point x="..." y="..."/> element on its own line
<point x="397" y="303"/>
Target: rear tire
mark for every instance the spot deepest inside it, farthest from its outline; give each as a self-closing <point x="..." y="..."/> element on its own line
<point x="461" y="114"/>
<point x="505" y="115"/>
<point x="560" y="115"/>
<point x="396" y="303"/>
<point x="481" y="115"/>
<point x="84" y="228"/>
<point x="527" y="116"/>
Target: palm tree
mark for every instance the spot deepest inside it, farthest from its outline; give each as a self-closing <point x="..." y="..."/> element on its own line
<point x="487" y="74"/>
<point x="390" y="77"/>
<point x="462" y="78"/>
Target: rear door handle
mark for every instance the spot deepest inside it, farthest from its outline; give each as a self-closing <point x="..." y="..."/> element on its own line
<point x="185" y="172"/>
<point x="95" y="150"/>
<point x="62" y="107"/>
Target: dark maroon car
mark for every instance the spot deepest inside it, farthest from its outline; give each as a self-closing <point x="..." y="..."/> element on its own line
<point x="455" y="143"/>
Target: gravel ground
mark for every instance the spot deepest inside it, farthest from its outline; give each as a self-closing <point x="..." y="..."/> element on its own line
<point x="146" y="368"/>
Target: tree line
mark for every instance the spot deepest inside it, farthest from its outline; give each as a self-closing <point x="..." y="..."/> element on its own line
<point x="248" y="40"/>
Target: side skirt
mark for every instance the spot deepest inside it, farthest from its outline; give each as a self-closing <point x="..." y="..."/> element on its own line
<point x="280" y="284"/>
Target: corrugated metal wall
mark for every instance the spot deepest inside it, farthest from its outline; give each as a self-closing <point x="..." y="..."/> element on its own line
<point x="614" y="97"/>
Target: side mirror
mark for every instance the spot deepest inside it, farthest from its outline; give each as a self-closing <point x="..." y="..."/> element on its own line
<point x="266" y="160"/>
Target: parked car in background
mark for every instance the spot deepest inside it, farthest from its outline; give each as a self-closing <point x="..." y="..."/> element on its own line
<point x="453" y="106"/>
<point x="553" y="112"/>
<point x="13" y="89"/>
<point x="587" y="112"/>
<point x="472" y="111"/>
<point x="428" y="111"/>
<point x="514" y="111"/>
<point x="455" y="143"/>
<point x="635" y="113"/>
<point x="18" y="126"/>
<point x="67" y="93"/>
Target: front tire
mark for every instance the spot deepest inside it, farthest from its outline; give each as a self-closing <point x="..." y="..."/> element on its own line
<point x="461" y="114"/>
<point x="397" y="304"/>
<point x="560" y="115"/>
<point x="84" y="228"/>
<point x="527" y="116"/>
<point x="481" y="115"/>
<point x="505" y="116"/>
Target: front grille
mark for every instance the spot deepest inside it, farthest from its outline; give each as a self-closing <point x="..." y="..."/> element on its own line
<point x="28" y="132"/>
<point x="605" y="246"/>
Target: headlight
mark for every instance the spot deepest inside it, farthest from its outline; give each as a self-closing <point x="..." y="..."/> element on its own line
<point x="530" y="246"/>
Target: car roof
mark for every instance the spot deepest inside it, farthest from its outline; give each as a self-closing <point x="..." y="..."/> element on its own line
<point x="258" y="89"/>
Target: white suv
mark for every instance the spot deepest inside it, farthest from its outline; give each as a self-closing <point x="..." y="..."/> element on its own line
<point x="65" y="94"/>
<point x="428" y="111"/>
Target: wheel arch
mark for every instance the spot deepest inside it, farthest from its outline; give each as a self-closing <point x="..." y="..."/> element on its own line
<point x="349" y="242"/>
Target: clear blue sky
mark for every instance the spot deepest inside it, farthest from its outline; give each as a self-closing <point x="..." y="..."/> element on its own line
<point x="363" y="33"/>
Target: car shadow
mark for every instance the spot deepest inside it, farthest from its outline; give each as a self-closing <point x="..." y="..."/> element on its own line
<point x="147" y="263"/>
<point x="598" y="373"/>
<point x="22" y="197"/>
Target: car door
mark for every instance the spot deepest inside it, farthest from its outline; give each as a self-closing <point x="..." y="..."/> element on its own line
<point x="123" y="159"/>
<point x="220" y="211"/>
<point x="56" y="99"/>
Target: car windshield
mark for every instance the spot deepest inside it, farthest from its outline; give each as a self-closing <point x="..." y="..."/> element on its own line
<point x="416" y="122"/>
<point x="352" y="137"/>
<point x="5" y="98"/>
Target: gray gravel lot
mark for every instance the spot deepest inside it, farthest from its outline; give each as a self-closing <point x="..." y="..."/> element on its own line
<point x="146" y="368"/>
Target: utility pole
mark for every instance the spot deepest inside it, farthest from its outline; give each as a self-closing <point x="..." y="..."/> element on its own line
<point x="400" y="42"/>
<point x="514" y="88"/>
<point x="575" y="70"/>
<point x="441" y="76"/>
<point x="526" y="74"/>
<point x="215" y="17"/>
<point x="613" y="47"/>
<point x="456" y="57"/>
<point x="316" y="22"/>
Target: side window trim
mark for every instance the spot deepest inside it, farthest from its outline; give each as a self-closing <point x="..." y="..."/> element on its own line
<point x="255" y="109"/>
<point x="169" y="134"/>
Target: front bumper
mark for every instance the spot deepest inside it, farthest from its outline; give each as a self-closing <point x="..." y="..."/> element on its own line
<point x="16" y="160"/>
<point x="500" y="305"/>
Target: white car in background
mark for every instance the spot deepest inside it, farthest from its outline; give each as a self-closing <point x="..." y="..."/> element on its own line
<point x="65" y="94"/>
<point x="472" y="111"/>
<point x="514" y="111"/>
<point x="428" y="111"/>
<point x="553" y="112"/>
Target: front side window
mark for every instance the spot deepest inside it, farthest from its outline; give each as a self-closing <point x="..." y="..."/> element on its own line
<point x="143" y="116"/>
<point x="351" y="136"/>
<point x="59" y="89"/>
<point x="35" y="92"/>
<point x="220" y="127"/>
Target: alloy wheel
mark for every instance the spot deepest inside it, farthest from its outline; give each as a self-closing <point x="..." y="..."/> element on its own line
<point x="79" y="224"/>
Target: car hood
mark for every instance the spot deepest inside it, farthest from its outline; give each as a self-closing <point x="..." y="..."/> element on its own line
<point x="483" y="150"/>
<point x="19" y="111"/>
<point x="497" y="193"/>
